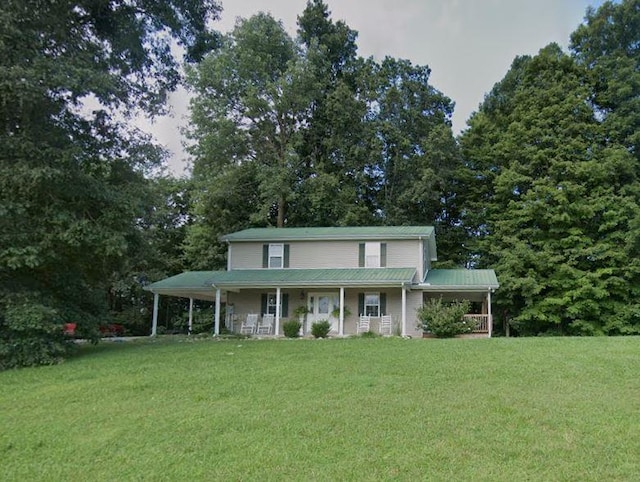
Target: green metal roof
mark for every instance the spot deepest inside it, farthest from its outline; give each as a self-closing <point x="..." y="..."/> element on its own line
<point x="196" y="284"/>
<point x="206" y="281"/>
<point x="315" y="277"/>
<point x="330" y="233"/>
<point x="460" y="279"/>
<point x="186" y="280"/>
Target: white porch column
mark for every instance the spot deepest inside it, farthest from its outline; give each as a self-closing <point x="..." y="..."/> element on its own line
<point x="490" y="316"/>
<point x="404" y="311"/>
<point x="154" y="323"/>
<point x="190" y="314"/>
<point x="216" y="329"/>
<point x="277" y="329"/>
<point x="341" y="320"/>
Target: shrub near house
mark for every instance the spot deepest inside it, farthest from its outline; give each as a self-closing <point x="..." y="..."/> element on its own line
<point x="445" y="320"/>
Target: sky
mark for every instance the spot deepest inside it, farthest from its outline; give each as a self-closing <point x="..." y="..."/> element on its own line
<point x="468" y="44"/>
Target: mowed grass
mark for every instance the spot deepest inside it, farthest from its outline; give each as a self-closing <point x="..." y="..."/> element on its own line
<point x="348" y="409"/>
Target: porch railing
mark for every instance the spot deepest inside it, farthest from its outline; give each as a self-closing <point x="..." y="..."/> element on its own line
<point x="483" y="322"/>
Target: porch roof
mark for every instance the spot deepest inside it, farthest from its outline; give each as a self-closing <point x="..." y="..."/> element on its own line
<point x="202" y="284"/>
<point x="460" y="280"/>
<point x="190" y="284"/>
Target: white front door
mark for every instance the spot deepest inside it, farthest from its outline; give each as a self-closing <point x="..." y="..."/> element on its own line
<point x="320" y="306"/>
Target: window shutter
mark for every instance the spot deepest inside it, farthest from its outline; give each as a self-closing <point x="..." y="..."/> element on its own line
<point x="285" y="261"/>
<point x="284" y="309"/>
<point x="265" y="255"/>
<point x="360" y="303"/>
<point x="361" y="255"/>
<point x="383" y="304"/>
<point x="263" y="303"/>
<point x="383" y="255"/>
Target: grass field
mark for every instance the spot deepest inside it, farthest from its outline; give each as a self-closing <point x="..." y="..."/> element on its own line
<point x="348" y="409"/>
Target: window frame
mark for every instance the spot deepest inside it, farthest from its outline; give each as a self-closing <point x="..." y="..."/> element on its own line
<point x="367" y="306"/>
<point x="271" y="256"/>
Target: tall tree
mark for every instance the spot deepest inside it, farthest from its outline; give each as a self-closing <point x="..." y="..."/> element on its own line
<point x="558" y="202"/>
<point x="414" y="154"/>
<point x="70" y="180"/>
<point x="252" y="99"/>
<point x="608" y="45"/>
<point x="334" y="188"/>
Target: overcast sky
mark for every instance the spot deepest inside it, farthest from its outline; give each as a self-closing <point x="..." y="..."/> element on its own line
<point x="468" y="44"/>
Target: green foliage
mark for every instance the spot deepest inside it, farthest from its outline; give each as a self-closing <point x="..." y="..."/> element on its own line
<point x="73" y="182"/>
<point x="445" y="319"/>
<point x="202" y="321"/>
<point x="369" y="334"/>
<point x="552" y="187"/>
<point x="303" y="132"/>
<point x="291" y="328"/>
<point x="300" y="311"/>
<point x="31" y="333"/>
<point x="320" y="328"/>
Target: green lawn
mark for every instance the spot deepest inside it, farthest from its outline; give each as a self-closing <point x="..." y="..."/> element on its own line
<point x="350" y="409"/>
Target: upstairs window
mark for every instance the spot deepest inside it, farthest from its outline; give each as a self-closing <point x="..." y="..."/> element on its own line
<point x="275" y="255"/>
<point x="373" y="255"/>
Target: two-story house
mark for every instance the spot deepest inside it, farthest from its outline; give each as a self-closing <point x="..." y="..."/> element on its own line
<point x="334" y="274"/>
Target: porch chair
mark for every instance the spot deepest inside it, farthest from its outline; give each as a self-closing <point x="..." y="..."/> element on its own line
<point x="266" y="325"/>
<point x="386" y="325"/>
<point x="364" y="324"/>
<point x="248" y="326"/>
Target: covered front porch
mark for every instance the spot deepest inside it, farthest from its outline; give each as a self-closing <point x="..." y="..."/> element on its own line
<point x="336" y="295"/>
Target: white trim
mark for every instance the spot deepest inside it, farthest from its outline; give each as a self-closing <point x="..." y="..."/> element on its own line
<point x="190" y="315"/>
<point x="404" y="311"/>
<point x="154" y="323"/>
<point x="276" y="256"/>
<point x="341" y="320"/>
<point x="216" y="331"/>
<point x="490" y="321"/>
<point x="278" y="294"/>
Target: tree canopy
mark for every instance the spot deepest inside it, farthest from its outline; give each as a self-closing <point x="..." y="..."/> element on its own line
<point x="74" y="181"/>
<point x="302" y="131"/>
<point x="552" y="182"/>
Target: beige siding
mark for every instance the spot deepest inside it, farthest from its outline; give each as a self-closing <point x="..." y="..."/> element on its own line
<point x="326" y="254"/>
<point x="246" y="256"/>
<point x="323" y="254"/>
<point x="403" y="254"/>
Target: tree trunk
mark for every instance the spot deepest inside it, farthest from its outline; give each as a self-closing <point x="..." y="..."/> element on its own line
<point x="281" y="208"/>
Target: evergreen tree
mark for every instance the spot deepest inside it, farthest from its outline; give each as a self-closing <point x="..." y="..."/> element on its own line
<point x="556" y="203"/>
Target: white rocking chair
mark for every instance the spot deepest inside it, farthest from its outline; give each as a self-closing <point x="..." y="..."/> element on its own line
<point x="248" y="326"/>
<point x="386" y="325"/>
<point x="364" y="324"/>
<point x="266" y="325"/>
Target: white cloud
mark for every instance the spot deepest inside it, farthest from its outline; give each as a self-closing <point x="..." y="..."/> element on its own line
<point x="469" y="44"/>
